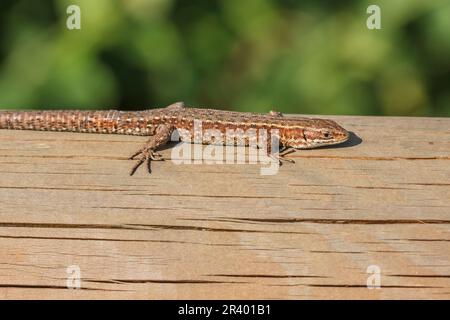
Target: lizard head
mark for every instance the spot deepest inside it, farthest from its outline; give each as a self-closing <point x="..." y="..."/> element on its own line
<point x="321" y="133"/>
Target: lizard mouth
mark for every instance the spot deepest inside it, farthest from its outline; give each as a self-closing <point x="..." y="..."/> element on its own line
<point x="312" y="144"/>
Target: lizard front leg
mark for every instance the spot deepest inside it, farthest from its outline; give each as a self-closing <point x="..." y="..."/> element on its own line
<point x="162" y="135"/>
<point x="285" y="151"/>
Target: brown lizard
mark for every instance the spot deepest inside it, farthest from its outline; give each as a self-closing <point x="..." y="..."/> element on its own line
<point x="291" y="132"/>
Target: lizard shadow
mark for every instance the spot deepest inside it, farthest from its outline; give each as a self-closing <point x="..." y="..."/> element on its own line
<point x="352" y="141"/>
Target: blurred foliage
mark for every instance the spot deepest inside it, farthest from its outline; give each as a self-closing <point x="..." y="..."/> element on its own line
<point x="253" y="55"/>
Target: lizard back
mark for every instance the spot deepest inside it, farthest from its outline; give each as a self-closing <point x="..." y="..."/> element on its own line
<point x="296" y="132"/>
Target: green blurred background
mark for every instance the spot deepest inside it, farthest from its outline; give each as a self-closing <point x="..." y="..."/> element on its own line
<point x="249" y="55"/>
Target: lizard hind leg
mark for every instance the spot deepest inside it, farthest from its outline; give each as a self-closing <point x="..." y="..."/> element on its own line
<point x="147" y="153"/>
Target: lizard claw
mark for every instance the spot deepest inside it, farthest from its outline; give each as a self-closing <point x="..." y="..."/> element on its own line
<point x="281" y="159"/>
<point x="145" y="155"/>
<point x="156" y="156"/>
<point x="284" y="159"/>
<point x="281" y="156"/>
<point x="135" y="155"/>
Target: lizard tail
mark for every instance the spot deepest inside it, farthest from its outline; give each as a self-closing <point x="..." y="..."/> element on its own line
<point x="43" y="120"/>
<point x="5" y="117"/>
<point x="111" y="121"/>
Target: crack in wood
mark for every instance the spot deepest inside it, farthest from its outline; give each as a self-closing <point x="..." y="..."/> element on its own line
<point x="161" y="281"/>
<point x="194" y="228"/>
<point x="344" y="221"/>
<point x="264" y="276"/>
<point x="35" y="286"/>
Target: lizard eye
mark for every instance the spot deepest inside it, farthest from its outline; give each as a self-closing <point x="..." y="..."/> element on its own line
<point x="327" y="135"/>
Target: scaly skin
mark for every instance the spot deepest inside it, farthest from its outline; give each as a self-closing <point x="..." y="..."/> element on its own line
<point x="193" y="124"/>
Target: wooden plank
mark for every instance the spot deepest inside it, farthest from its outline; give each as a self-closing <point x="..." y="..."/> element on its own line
<point x="225" y="231"/>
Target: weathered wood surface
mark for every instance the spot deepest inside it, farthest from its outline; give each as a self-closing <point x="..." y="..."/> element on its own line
<point x="225" y="231"/>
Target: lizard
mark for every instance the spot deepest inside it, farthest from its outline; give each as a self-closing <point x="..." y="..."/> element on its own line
<point x="292" y="132"/>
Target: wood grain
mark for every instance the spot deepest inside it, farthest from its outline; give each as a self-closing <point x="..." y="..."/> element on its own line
<point x="225" y="231"/>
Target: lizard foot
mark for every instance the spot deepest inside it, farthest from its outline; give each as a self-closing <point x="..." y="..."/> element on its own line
<point x="160" y="137"/>
<point x="144" y="155"/>
<point x="281" y="157"/>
